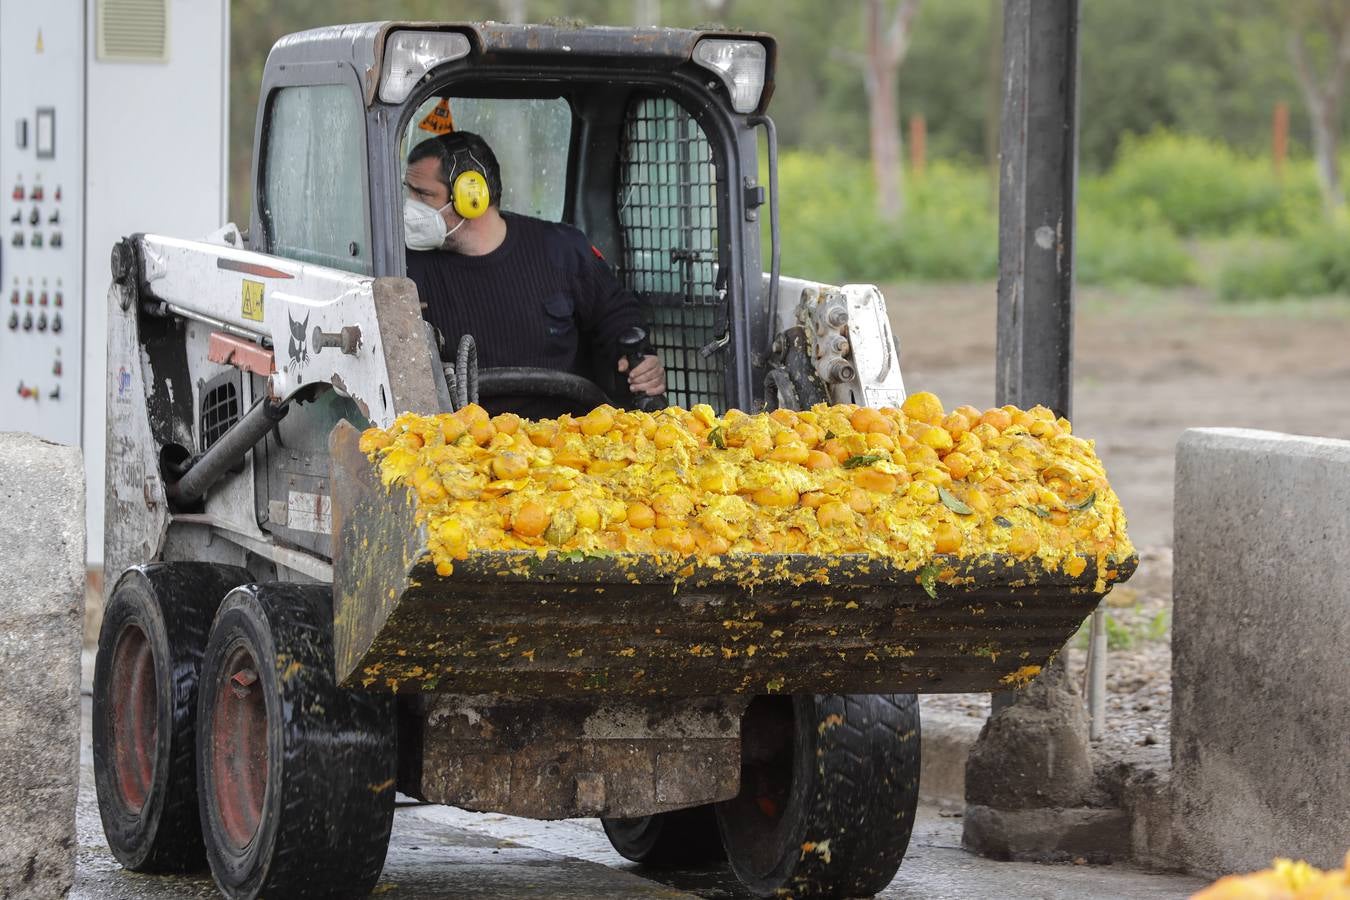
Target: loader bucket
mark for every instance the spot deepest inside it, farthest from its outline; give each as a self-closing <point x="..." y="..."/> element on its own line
<point x="520" y="624"/>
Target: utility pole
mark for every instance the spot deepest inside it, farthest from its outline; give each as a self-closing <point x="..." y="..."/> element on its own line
<point x="1038" y="186"/>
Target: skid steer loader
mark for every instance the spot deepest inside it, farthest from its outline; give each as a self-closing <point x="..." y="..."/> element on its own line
<point x="278" y="657"/>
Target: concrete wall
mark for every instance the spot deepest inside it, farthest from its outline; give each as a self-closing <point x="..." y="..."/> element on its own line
<point x="1261" y="650"/>
<point x="42" y="586"/>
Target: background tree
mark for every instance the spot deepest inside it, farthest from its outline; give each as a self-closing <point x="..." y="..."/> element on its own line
<point x="1319" y="44"/>
<point x="888" y="34"/>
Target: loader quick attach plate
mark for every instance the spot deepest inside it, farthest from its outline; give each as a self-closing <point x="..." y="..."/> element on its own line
<point x="519" y="624"/>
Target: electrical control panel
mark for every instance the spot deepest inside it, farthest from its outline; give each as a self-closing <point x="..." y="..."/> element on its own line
<point x="41" y="216"/>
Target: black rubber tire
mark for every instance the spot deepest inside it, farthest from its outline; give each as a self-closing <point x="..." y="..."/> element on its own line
<point x="829" y="787"/>
<point x="678" y="839"/>
<point x="270" y="710"/>
<point x="144" y="759"/>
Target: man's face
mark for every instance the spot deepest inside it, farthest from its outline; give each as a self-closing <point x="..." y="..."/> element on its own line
<point x="423" y="182"/>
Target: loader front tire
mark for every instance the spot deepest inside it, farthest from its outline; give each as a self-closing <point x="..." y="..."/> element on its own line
<point x="684" y="837"/>
<point x="829" y="787"/>
<point x="150" y="648"/>
<point x="296" y="774"/>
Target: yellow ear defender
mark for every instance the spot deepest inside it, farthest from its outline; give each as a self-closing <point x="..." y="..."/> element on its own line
<point x="470" y="194"/>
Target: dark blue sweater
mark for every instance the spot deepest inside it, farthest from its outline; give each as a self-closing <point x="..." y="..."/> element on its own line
<point x="543" y="298"/>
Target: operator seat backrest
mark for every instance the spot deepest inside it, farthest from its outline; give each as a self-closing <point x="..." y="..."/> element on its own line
<point x="668" y="207"/>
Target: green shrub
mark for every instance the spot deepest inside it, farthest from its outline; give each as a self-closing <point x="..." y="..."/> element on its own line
<point x="1317" y="263"/>
<point x="831" y="230"/>
<point x="1136" y="222"/>
<point x="1200" y="186"/>
<point x="1144" y="254"/>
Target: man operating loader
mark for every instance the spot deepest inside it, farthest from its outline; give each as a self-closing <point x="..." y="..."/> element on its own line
<point x="531" y="292"/>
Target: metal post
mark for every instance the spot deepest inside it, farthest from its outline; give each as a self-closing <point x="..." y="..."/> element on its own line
<point x="1096" y="675"/>
<point x="1038" y="185"/>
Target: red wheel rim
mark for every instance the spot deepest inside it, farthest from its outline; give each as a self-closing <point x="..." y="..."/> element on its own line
<point x="135" y="717"/>
<point x="239" y="748"/>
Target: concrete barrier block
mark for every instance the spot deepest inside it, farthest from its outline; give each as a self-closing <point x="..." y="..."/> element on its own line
<point x="1261" y="650"/>
<point x="42" y="586"/>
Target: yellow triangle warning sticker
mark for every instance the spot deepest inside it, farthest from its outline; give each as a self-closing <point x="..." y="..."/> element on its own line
<point x="439" y="120"/>
<point x="39" y="41"/>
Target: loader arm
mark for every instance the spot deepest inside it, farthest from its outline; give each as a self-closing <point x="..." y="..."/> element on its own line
<point x="310" y="322"/>
<point x="202" y="332"/>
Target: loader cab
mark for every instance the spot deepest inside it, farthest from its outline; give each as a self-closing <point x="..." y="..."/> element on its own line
<point x="645" y="139"/>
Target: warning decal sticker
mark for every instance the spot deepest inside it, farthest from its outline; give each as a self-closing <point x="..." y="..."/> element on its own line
<point x="251" y="300"/>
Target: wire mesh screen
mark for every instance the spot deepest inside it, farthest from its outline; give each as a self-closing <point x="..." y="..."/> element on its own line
<point x="220" y="409"/>
<point x="668" y="215"/>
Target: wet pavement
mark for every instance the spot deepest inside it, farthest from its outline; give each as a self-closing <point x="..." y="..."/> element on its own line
<point x="441" y="852"/>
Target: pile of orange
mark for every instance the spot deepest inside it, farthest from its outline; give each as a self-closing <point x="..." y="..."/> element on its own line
<point x="1284" y="880"/>
<point x="903" y="483"/>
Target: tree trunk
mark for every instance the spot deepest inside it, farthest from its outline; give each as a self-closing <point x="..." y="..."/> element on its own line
<point x="884" y="123"/>
<point x="887" y="43"/>
<point x="1322" y="92"/>
<point x="1326" y="131"/>
<point x="646" y="12"/>
<point x="514" y="11"/>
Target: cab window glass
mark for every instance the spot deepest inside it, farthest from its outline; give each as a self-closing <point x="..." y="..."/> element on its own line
<point x="314" y="204"/>
<point x="529" y="137"/>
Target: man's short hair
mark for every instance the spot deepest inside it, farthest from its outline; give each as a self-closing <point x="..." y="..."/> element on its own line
<point x="460" y="151"/>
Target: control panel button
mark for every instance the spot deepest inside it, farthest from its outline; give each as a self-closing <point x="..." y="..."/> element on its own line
<point x="14" y="321"/>
<point x="37" y="239"/>
<point x="54" y="218"/>
<point x="14" y="297"/>
<point x="42" y="299"/>
<point x="56" y="239"/>
<point x="37" y="192"/>
<point x="55" y="394"/>
<point x="17" y="218"/>
<point x="42" y="322"/>
<point x="59" y="300"/>
<point x="57" y="195"/>
<point x="34" y="216"/>
<point x="17" y="240"/>
<point x="28" y="297"/>
<point x="56" y="326"/>
<point x="27" y="321"/>
<point x="56" y="363"/>
<point x="18" y="192"/>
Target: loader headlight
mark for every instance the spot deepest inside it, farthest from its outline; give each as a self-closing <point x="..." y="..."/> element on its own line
<point x="409" y="55"/>
<point x="740" y="65"/>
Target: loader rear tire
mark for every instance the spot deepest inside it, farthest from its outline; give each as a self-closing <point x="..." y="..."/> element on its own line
<point x="149" y="657"/>
<point x="296" y="774"/>
<point x="684" y="837"/>
<point x="829" y="787"/>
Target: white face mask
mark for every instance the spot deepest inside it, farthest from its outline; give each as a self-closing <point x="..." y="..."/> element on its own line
<point x="423" y="226"/>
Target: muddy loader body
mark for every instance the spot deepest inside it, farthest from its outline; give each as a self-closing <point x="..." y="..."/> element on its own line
<point x="280" y="658"/>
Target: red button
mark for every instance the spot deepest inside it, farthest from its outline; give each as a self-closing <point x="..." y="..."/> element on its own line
<point x="59" y="299"/>
<point x="18" y="192"/>
<point x="37" y="192"/>
<point x="42" y="301"/>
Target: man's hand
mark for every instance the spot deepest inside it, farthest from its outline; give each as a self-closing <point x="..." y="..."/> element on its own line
<point x="648" y="377"/>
